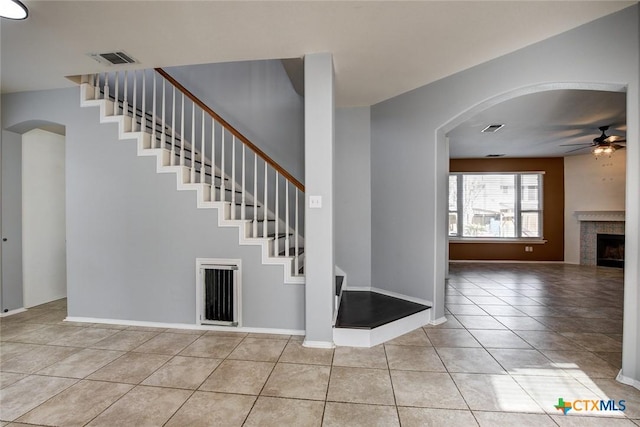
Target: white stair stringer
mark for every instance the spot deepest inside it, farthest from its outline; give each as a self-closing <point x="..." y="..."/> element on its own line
<point x="182" y="173"/>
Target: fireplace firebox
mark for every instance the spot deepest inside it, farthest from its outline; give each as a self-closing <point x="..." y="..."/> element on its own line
<point x="610" y="250"/>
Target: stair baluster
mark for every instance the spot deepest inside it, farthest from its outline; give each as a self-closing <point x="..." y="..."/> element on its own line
<point x="286" y="218"/>
<point x="173" y="128"/>
<point x="135" y="105"/>
<point x="213" y="160"/>
<point x="265" y="223"/>
<point x="223" y="190"/>
<point x="243" y="203"/>
<point x="116" y="108"/>
<point x="255" y="196"/>
<point x="130" y="104"/>
<point x="96" y="86"/>
<point x="143" y="124"/>
<point x="276" y="242"/>
<point x="202" y="152"/>
<point x="125" y="103"/>
<point x="182" y="130"/>
<point x="106" y="86"/>
<point x="296" y="247"/>
<point x="192" y="177"/>
<point x="233" y="177"/>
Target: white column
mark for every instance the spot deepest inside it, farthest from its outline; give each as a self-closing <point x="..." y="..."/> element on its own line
<point x="319" y="222"/>
<point x="630" y="372"/>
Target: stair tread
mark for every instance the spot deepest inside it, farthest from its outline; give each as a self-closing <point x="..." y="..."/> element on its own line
<point x="280" y="235"/>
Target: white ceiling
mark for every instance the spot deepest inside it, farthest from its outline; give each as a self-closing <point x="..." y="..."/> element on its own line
<point x="380" y="48"/>
<point x="537" y="125"/>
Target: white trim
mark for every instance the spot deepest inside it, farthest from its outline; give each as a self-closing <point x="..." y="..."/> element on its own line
<point x="628" y="381"/>
<point x="184" y="326"/>
<point x="12" y="312"/>
<point x="212" y="262"/>
<point x="603" y="216"/>
<point x="500" y="261"/>
<point x="438" y="321"/>
<point x="318" y="344"/>
<point x="359" y="288"/>
<point x="372" y="337"/>
<point x="524" y="241"/>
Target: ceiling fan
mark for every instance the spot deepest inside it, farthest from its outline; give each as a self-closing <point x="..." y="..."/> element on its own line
<point x="601" y="145"/>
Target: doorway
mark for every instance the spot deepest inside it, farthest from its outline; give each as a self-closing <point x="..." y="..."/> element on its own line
<point x="33" y="216"/>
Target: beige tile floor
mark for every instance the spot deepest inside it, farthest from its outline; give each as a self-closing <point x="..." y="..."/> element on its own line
<point x="518" y="338"/>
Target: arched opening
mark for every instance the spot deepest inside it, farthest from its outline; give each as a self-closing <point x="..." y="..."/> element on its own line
<point x="443" y="155"/>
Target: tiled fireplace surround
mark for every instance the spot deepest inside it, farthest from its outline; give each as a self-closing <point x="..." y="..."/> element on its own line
<point x="593" y="223"/>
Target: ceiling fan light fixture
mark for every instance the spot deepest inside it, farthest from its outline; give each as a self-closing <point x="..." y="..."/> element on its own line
<point x="13" y="9"/>
<point x="603" y="149"/>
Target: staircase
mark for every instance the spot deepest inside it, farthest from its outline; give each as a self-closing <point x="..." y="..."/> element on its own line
<point x="247" y="188"/>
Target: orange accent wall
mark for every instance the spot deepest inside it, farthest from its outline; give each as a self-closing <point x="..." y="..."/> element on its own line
<point x="553" y="216"/>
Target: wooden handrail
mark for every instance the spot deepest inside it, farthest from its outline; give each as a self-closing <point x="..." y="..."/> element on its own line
<point x="231" y="129"/>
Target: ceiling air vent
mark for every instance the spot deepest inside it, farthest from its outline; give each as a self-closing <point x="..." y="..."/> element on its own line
<point x="494" y="155"/>
<point x="113" y="58"/>
<point x="492" y="128"/>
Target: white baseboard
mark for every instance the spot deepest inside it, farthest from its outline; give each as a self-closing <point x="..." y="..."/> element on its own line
<point x="318" y="344"/>
<point x="185" y="326"/>
<point x="357" y="288"/>
<point x="628" y="381"/>
<point x="12" y="312"/>
<point x="498" y="261"/>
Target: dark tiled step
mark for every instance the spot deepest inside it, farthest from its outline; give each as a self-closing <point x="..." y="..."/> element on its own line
<point x="368" y="310"/>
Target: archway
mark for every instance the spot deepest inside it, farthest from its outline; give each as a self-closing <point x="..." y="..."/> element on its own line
<point x="441" y="243"/>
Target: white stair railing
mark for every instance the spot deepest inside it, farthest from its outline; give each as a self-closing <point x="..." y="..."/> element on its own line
<point x="257" y="190"/>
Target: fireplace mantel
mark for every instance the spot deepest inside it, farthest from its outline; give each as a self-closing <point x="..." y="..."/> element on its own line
<point x="606" y="216"/>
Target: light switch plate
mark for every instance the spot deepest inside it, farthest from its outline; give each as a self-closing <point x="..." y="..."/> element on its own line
<point x="315" y="202"/>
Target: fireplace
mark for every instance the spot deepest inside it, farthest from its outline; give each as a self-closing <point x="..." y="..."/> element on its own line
<point x="610" y="250"/>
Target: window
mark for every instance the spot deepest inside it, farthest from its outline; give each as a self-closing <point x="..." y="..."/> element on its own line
<point x="495" y="205"/>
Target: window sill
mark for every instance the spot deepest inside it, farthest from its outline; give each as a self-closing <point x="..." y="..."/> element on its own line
<point x="523" y="241"/>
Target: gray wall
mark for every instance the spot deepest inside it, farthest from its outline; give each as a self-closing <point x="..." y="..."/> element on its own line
<point x="257" y="98"/>
<point x="353" y="194"/>
<point x="11" y="291"/>
<point x="132" y="238"/>
<point x="409" y="157"/>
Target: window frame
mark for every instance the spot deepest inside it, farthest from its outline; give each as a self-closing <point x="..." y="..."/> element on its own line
<point x="517" y="212"/>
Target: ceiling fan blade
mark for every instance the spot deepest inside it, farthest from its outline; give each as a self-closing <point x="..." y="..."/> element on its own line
<point x="579" y="143"/>
<point x="614" y="139"/>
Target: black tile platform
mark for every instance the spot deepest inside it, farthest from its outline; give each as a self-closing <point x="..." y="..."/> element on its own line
<point x="368" y="310"/>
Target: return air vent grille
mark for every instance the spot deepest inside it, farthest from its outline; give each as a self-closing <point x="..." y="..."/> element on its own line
<point x="492" y="128"/>
<point x="114" y="58"/>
